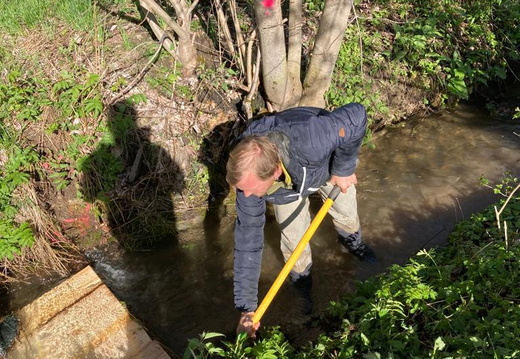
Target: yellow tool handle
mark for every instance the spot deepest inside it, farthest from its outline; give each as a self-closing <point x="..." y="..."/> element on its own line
<point x="295" y="254"/>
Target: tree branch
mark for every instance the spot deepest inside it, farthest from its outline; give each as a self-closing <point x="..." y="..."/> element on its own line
<point x="294" y="52"/>
<point x="153" y="7"/>
<point x="222" y="21"/>
<point x="333" y="23"/>
<point x="239" y="36"/>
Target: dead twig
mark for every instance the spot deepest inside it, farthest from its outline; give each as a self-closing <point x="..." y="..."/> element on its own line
<point x="141" y="74"/>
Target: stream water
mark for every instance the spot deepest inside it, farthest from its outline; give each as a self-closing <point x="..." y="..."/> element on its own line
<point x="413" y="187"/>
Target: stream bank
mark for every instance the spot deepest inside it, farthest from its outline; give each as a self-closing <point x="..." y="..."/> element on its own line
<point x="420" y="179"/>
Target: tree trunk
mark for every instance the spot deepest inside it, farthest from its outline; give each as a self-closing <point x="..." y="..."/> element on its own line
<point x="333" y="23"/>
<point x="280" y="48"/>
<point x="294" y="52"/>
<point x="278" y="85"/>
<point x="186" y="51"/>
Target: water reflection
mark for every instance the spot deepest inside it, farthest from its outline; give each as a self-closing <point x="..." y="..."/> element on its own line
<point x="427" y="177"/>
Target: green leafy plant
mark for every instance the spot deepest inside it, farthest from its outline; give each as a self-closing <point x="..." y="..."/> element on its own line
<point x="22" y="96"/>
<point x="23" y="99"/>
<point x="165" y="81"/>
<point x="505" y="187"/>
<point x="14" y="172"/>
<point x="203" y="348"/>
<point x="76" y="99"/>
<point x="351" y="81"/>
<point x="61" y="175"/>
<point x="13" y="238"/>
<point x="450" y="48"/>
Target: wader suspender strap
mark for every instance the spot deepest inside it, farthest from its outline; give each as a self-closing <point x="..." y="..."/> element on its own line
<point x="293" y="215"/>
<point x="282" y="142"/>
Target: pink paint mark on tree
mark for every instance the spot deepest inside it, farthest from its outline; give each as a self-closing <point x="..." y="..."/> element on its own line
<point x="268" y="5"/>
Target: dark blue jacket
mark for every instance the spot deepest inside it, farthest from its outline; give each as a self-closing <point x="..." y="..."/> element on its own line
<point x="314" y="143"/>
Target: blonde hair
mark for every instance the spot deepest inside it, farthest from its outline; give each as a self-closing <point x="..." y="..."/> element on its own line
<point x="253" y="154"/>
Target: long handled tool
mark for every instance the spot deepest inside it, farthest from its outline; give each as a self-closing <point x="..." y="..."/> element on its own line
<point x="295" y="254"/>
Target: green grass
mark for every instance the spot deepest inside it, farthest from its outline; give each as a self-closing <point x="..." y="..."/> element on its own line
<point x="17" y="16"/>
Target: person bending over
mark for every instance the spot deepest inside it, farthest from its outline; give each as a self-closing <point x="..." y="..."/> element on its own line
<point x="283" y="158"/>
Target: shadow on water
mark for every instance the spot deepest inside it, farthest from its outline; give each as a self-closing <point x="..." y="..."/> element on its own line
<point x="174" y="289"/>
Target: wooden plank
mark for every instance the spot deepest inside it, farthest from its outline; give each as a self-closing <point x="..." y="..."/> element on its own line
<point x="95" y="325"/>
<point x="138" y="345"/>
<point x="62" y="296"/>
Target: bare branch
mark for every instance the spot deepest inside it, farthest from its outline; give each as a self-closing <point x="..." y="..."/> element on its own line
<point x="139" y="77"/>
<point x="192" y="7"/>
<point x="249" y="63"/>
<point x="166" y="41"/>
<point x="240" y="37"/>
<point x="507" y="201"/>
<point x="253" y="88"/>
<point x="222" y="21"/>
<point x="152" y="6"/>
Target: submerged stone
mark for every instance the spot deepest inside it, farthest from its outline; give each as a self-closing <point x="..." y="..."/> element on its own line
<point x="8" y="332"/>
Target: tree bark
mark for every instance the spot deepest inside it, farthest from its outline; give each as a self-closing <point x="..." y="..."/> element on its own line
<point x="187" y="53"/>
<point x="277" y="85"/>
<point x="333" y="23"/>
<point x="294" y="53"/>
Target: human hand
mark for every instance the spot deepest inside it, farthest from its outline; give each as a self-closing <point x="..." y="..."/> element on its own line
<point x="343" y="182"/>
<point x="245" y="324"/>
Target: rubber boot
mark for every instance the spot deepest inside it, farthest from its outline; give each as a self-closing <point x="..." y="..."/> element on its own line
<point x="303" y="286"/>
<point x="357" y="247"/>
